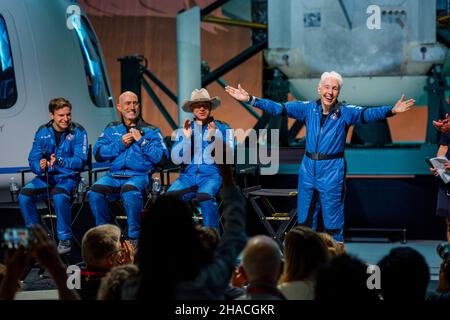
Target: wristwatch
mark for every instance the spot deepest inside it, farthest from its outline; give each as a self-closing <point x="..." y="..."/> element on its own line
<point x="59" y="161"/>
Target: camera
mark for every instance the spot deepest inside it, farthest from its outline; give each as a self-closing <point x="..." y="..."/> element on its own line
<point x="443" y="250"/>
<point x="14" y="238"/>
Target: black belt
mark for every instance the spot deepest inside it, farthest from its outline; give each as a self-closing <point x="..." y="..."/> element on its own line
<point x="318" y="156"/>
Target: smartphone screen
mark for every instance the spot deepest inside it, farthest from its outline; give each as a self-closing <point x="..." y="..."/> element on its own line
<point x="13" y="238"/>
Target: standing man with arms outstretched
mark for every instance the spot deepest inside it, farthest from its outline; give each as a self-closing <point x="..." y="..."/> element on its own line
<point x="58" y="155"/>
<point x="134" y="148"/>
<point x="322" y="171"/>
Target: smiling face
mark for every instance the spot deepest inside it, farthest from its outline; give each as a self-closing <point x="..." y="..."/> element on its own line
<point x="128" y="107"/>
<point x="61" y="118"/>
<point x="201" y="110"/>
<point x="329" y="91"/>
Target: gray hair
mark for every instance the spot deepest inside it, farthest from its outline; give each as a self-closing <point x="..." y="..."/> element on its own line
<point x="334" y="75"/>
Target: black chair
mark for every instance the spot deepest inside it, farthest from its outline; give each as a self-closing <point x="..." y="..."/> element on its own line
<point x="79" y="194"/>
<point x="277" y="224"/>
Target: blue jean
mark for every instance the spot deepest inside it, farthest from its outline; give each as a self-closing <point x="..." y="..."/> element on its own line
<point x="60" y="192"/>
<point x="208" y="185"/>
<point x="130" y="190"/>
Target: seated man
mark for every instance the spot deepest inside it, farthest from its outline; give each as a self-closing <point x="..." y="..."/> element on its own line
<point x="200" y="178"/>
<point x="59" y="153"/>
<point x="133" y="148"/>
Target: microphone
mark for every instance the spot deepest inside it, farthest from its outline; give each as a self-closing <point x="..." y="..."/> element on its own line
<point x="44" y="157"/>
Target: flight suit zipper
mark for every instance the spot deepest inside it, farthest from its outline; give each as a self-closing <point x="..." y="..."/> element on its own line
<point x="318" y="136"/>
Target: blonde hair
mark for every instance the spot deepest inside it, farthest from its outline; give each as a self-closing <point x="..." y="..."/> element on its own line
<point x="98" y="243"/>
<point x="111" y="283"/>
<point x="332" y="245"/>
<point x="304" y="253"/>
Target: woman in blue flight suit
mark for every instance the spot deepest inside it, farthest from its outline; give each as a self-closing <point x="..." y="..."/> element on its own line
<point x="322" y="171"/>
<point x="58" y="155"/>
<point x="200" y="178"/>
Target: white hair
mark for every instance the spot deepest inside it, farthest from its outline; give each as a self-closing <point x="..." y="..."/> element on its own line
<point x="334" y="75"/>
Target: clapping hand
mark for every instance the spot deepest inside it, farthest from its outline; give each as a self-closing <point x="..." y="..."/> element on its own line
<point x="187" y="128"/>
<point x="443" y="125"/>
<point x="211" y="130"/>
<point x="136" y="134"/>
<point x="127" y="139"/>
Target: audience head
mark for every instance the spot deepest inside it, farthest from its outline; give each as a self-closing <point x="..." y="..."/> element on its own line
<point x="333" y="247"/>
<point x="111" y="284"/>
<point x="101" y="247"/>
<point x="169" y="247"/>
<point x="304" y="254"/>
<point x="262" y="260"/>
<point x="404" y="275"/>
<point x="344" y="278"/>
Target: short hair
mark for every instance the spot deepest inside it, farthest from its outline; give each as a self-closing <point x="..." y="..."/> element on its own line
<point x="334" y="75"/>
<point x="261" y="259"/>
<point x="111" y="284"/>
<point x="58" y="103"/>
<point x="404" y="275"/>
<point x="344" y="278"/>
<point x="98" y="243"/>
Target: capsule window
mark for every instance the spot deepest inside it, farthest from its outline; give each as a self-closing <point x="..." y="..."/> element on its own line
<point x="93" y="65"/>
<point x="8" y="88"/>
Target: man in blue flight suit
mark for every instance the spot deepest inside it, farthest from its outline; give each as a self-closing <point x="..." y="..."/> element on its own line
<point x="58" y="154"/>
<point x="322" y="172"/>
<point x="196" y="143"/>
<point x="134" y="148"/>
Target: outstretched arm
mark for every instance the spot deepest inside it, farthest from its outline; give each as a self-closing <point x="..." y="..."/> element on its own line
<point x="291" y="109"/>
<point x="356" y="115"/>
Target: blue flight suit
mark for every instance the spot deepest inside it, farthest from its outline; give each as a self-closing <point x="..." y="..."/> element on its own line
<point x="129" y="169"/>
<point x="321" y="178"/>
<point x="200" y="178"/>
<point x="71" y="156"/>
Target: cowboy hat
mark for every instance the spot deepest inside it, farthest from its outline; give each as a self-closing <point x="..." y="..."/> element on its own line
<point x="201" y="95"/>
